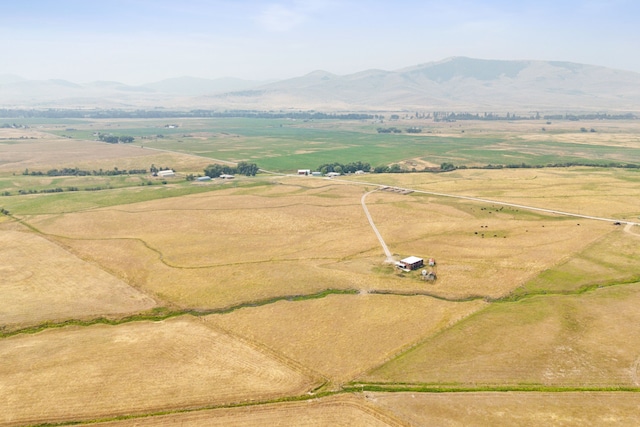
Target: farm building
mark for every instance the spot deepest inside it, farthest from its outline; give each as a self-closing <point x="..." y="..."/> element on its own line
<point x="304" y="172"/>
<point x="332" y="174"/>
<point x="204" y="178"/>
<point x="410" y="263"/>
<point x="226" y="176"/>
<point x="316" y="173"/>
<point x="166" y="174"/>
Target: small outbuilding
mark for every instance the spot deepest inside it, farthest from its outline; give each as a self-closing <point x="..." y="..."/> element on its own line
<point x="203" y="178"/>
<point x="226" y="176"/>
<point x="166" y="173"/>
<point x="410" y="263"/>
<point x="304" y="172"/>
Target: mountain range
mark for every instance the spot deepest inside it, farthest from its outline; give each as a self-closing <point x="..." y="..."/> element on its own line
<point x="457" y="83"/>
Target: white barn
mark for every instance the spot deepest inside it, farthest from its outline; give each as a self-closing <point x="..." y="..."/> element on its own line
<point x="166" y="174"/>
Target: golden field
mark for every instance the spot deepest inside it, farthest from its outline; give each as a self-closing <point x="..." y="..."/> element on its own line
<point x="271" y="240"/>
<point x="555" y="340"/>
<point x="514" y="409"/>
<point x="267" y="300"/>
<point x="42" y="282"/>
<point x="341" y="336"/>
<point x="346" y="410"/>
<point x="39" y="150"/>
<point x="99" y="371"/>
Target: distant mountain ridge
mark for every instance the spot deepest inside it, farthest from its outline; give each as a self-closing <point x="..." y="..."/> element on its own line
<point x="457" y="83"/>
<point x="462" y="83"/>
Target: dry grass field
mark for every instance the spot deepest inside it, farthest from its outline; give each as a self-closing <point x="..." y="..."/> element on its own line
<point x="512" y="409"/>
<point x="256" y="242"/>
<point x="345" y="410"/>
<point x="611" y="193"/>
<point x="77" y="373"/>
<point x="342" y="335"/>
<point x="271" y="240"/>
<point x="31" y="149"/>
<point x="524" y="300"/>
<point x="611" y="259"/>
<point x="43" y="282"/>
<point x="553" y="340"/>
<point x="480" y="250"/>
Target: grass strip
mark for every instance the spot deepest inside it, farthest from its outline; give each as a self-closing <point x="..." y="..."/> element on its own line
<point x="435" y="388"/>
<point x="162" y="313"/>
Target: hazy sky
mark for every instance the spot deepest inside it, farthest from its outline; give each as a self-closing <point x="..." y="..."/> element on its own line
<point x="139" y="41"/>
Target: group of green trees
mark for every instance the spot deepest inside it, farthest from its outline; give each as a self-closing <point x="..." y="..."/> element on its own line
<point x="242" y="168"/>
<point x="344" y="168"/>
<point x="112" y="139"/>
<point x="394" y="168"/>
<point x="389" y="130"/>
<point x="81" y="172"/>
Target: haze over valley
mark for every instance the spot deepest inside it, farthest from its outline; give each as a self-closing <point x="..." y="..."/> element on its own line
<point x="456" y="84"/>
<point x="319" y="213"/>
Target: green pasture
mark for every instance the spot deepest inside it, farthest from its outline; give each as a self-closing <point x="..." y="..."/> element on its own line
<point x="286" y="145"/>
<point x="15" y="183"/>
<point x="54" y="203"/>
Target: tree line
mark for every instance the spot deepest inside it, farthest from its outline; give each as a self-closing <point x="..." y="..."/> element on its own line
<point x="344" y="168"/>
<point x="81" y="172"/>
<point x="413" y="129"/>
<point x="111" y="139"/>
<point x="448" y="166"/>
<point x="242" y="168"/>
<point x="60" y="113"/>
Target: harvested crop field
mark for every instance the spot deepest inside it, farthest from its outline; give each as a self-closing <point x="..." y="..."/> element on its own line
<point x="342" y="335"/>
<point x="521" y="409"/>
<point x="43" y="282"/>
<point x="77" y="373"/>
<point x="548" y="340"/>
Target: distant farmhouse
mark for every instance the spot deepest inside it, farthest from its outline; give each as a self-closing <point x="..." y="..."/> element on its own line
<point x="166" y="174"/>
<point x="410" y="263"/>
